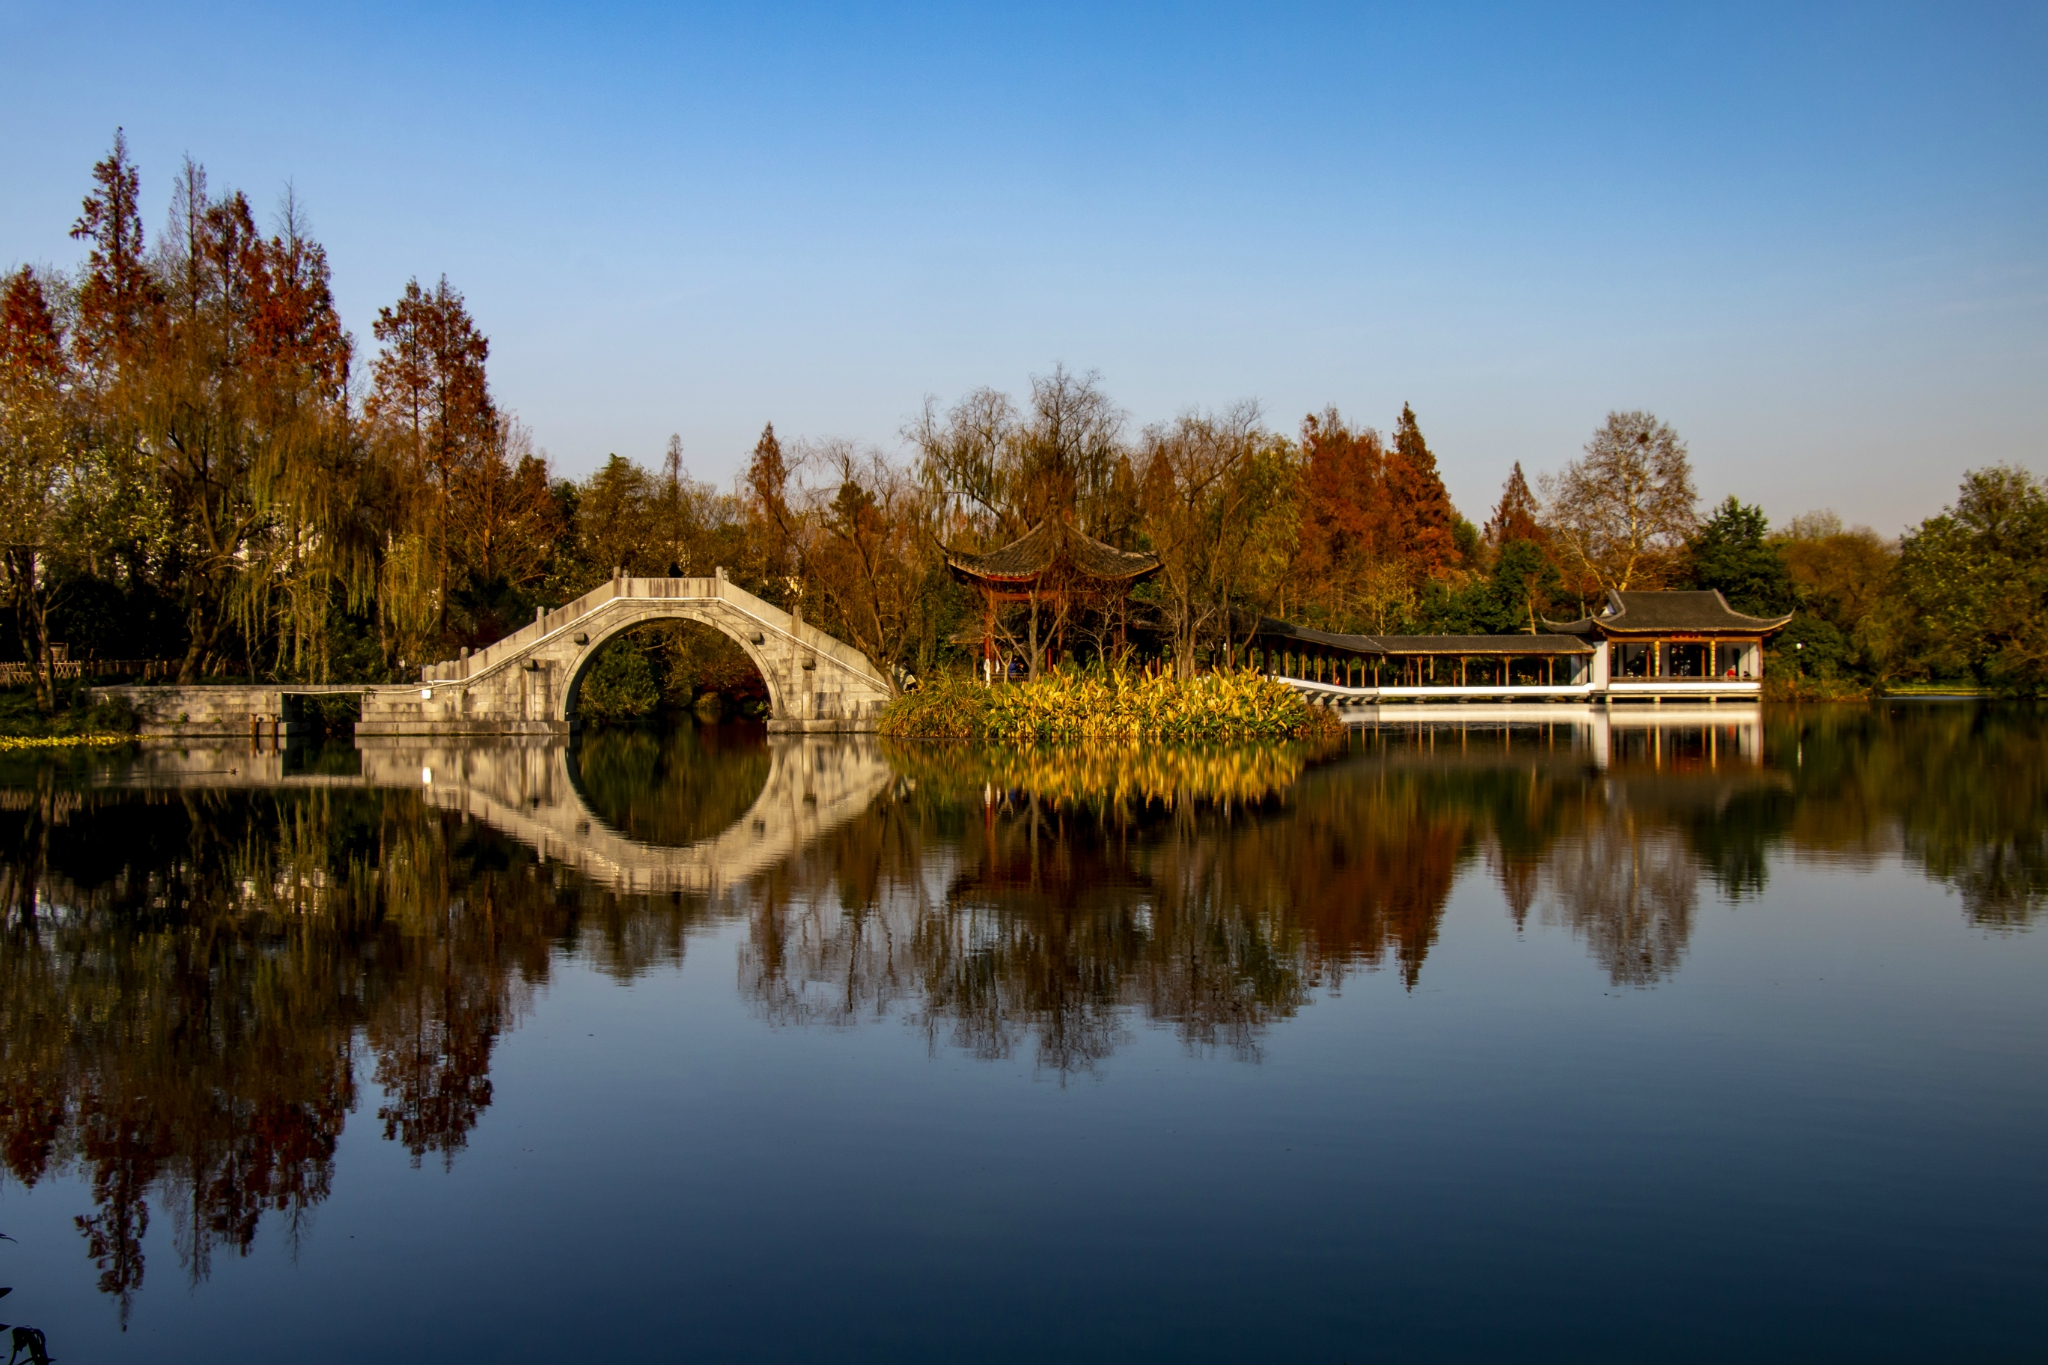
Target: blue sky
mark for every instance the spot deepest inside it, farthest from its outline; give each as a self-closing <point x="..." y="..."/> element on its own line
<point x="1814" y="239"/>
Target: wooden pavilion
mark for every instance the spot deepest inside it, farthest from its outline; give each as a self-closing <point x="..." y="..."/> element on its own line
<point x="1053" y="568"/>
<point x="1676" y="635"/>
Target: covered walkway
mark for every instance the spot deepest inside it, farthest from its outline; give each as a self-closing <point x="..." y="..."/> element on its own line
<point x="1641" y="646"/>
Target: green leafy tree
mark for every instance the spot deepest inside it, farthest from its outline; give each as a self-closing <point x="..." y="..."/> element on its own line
<point x="619" y="684"/>
<point x="1524" y="584"/>
<point x="1975" y="581"/>
<point x="1733" y="553"/>
<point x="1426" y="525"/>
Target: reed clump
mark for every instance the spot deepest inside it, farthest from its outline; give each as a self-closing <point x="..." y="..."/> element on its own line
<point x="1113" y="704"/>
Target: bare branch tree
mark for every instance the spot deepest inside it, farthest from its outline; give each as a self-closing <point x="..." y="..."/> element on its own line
<point x="1620" y="515"/>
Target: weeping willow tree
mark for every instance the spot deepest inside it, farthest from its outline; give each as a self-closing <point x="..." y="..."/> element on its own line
<point x="408" y="598"/>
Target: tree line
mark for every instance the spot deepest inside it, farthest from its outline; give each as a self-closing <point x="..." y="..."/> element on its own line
<point x="197" y="464"/>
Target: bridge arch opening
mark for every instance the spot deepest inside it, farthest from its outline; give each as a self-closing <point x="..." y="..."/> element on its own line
<point x="671" y="663"/>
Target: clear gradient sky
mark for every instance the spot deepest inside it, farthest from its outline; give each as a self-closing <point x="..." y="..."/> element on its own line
<point x="1814" y="239"/>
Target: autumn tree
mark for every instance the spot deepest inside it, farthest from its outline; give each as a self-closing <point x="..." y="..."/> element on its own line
<point x="1620" y="515"/>
<point x="237" y="406"/>
<point x="1419" y="512"/>
<point x="1343" y="536"/>
<point x="967" y="460"/>
<point x="860" y="554"/>
<point x="774" y="521"/>
<point x="119" y="294"/>
<point x="1839" y="574"/>
<point x="1518" y="516"/>
<point x="503" y="525"/>
<point x="994" y="471"/>
<point x="430" y="403"/>
<point x="313" y="553"/>
<point x="1070" y="459"/>
<point x="613" y="516"/>
<point x="1204" y="494"/>
<point x="40" y="480"/>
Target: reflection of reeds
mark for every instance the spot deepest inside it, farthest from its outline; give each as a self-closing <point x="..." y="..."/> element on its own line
<point x="1108" y="704"/>
<point x="62" y="741"/>
<point x="1105" y="775"/>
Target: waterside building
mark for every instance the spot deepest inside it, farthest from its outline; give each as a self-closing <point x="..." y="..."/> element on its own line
<point x="1640" y="646"/>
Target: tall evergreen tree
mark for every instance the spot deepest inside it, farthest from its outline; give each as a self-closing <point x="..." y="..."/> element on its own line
<point x="119" y="291"/>
<point x="1732" y="552"/>
<point x="767" y="484"/>
<point x="1518" y="515"/>
<point x="1420" y="507"/>
<point x="431" y="399"/>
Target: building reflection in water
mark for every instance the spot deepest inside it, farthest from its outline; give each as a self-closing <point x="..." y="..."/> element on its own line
<point x="203" y="952"/>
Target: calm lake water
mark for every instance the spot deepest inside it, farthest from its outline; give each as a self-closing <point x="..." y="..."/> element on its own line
<point x="1575" y="1040"/>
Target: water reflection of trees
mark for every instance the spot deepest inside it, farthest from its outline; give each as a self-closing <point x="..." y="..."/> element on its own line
<point x="1628" y="890"/>
<point x="192" y="983"/>
<point x="1003" y="905"/>
<point x="1036" y="900"/>
<point x="1960" y="790"/>
<point x="671" y="787"/>
<point x="189" y="981"/>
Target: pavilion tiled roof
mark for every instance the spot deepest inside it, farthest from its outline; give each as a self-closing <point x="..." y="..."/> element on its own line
<point x="1539" y="644"/>
<point x="1425" y="644"/>
<point x="1657" y="613"/>
<point x="1047" y="544"/>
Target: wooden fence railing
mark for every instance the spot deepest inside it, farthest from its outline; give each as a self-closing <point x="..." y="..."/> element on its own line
<point x="22" y="674"/>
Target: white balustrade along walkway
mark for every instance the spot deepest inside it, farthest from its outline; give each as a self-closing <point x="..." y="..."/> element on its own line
<point x="1588" y="681"/>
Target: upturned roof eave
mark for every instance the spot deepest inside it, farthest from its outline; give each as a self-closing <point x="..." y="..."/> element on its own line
<point x="1051" y="542"/>
<point x="990" y="576"/>
<point x="1757" y="626"/>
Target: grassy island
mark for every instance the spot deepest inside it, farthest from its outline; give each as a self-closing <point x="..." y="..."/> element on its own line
<point x="1107" y="704"/>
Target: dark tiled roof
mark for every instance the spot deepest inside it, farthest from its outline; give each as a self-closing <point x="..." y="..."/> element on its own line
<point x="1484" y="644"/>
<point x="1051" y="542"/>
<point x="1425" y="644"/>
<point x="1270" y="629"/>
<point x="1650" y="613"/>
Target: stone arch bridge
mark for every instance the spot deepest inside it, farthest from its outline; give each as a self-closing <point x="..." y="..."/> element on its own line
<point x="526" y="683"/>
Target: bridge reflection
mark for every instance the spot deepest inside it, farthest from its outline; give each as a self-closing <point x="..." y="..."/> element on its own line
<point x="533" y="790"/>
